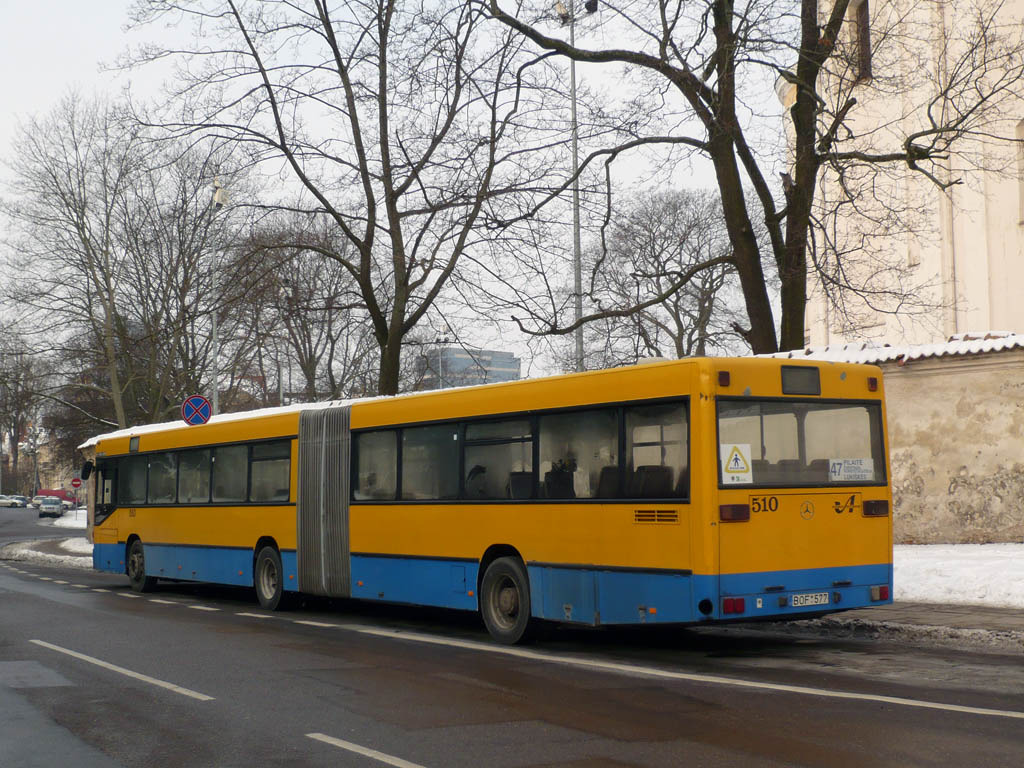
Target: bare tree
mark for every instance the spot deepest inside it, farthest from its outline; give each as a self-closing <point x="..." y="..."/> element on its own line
<point x="113" y="241"/>
<point x="302" y="311"/>
<point x="711" y="64"/>
<point x="654" y="239"/>
<point x="21" y="381"/>
<point x="405" y="124"/>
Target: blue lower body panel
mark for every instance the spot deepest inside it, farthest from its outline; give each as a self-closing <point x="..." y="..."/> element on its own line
<point x="218" y="565"/>
<point x="417" y="581"/>
<point x="594" y="596"/>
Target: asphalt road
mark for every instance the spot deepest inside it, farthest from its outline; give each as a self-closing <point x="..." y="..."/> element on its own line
<point x="93" y="675"/>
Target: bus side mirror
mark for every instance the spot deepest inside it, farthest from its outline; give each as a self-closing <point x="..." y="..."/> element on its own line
<point x="86" y="471"/>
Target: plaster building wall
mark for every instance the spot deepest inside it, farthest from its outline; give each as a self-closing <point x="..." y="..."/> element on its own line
<point x="956" y="432"/>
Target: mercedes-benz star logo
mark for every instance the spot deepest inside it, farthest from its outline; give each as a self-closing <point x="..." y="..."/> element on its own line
<point x="807" y="510"/>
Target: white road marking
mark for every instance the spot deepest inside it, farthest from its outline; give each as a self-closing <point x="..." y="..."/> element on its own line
<point x="128" y="594"/>
<point x="315" y="623"/>
<point x="203" y="608"/>
<point x="123" y="671"/>
<point x="633" y="669"/>
<point x="365" y="751"/>
<point x="46" y="578"/>
<point x="256" y="615"/>
<point x="163" y="602"/>
<point x="96" y="589"/>
<point x="60" y="582"/>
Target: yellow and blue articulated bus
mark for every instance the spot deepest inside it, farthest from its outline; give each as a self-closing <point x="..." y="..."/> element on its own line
<point x="688" y="491"/>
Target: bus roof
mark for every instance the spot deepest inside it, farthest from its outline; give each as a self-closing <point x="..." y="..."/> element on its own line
<point x="266" y="413"/>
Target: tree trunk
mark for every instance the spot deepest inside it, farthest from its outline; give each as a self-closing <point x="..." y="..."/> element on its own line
<point x="747" y="255"/>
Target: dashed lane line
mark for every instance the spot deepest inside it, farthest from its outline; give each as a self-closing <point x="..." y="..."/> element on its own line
<point x="124" y="671"/>
<point x="202" y="608"/>
<point x="365" y="751"/>
<point x="255" y="615"/>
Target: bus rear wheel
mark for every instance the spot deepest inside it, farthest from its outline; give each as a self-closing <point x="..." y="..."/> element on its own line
<point x="267" y="577"/>
<point x="137" y="577"/>
<point x="505" y="601"/>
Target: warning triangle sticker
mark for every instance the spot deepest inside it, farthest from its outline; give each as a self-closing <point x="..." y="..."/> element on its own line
<point x="737" y="463"/>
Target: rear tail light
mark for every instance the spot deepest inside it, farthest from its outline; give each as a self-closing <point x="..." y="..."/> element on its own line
<point x="734" y="605"/>
<point x="880" y="593"/>
<point x="872" y="384"/>
<point x="876" y="508"/>
<point x="734" y="513"/>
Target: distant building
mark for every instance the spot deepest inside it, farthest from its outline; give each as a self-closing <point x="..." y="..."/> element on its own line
<point x="464" y="366"/>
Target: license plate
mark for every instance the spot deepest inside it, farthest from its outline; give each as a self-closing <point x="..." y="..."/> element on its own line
<point x="812" y="598"/>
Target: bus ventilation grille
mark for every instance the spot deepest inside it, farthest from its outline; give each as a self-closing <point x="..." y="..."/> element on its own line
<point x="655" y="516"/>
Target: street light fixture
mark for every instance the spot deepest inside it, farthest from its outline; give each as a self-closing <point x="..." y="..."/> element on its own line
<point x="440" y="359"/>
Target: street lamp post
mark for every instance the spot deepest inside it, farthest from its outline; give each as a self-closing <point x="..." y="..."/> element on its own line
<point x="568" y="16"/>
<point x="220" y="199"/>
<point x="440" y="360"/>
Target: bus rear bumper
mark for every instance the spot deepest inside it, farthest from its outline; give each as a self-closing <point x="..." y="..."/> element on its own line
<point x="801" y="593"/>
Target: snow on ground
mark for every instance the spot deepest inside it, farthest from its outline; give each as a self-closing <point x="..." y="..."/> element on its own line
<point x="973" y="574"/>
<point x="73" y="518"/>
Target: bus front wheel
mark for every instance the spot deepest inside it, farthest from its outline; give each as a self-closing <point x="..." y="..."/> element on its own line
<point x="137" y="577"/>
<point x="269" y="587"/>
<point x="505" y="601"/>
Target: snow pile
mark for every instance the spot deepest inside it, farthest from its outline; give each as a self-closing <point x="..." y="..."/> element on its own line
<point x="73" y="518"/>
<point x="960" y="574"/>
<point x="68" y="553"/>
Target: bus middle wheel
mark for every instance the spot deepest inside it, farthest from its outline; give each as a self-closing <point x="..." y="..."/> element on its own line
<point x="267" y="576"/>
<point x="505" y="601"/>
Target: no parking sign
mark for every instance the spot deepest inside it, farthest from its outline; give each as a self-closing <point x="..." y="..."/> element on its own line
<point x="196" y="410"/>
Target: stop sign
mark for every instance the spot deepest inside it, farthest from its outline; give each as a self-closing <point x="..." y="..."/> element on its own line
<point x="76" y="482"/>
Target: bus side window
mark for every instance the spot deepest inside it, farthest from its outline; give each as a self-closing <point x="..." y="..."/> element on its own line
<point x="495" y="451"/>
<point x="578" y="454"/>
<point x="656" y="451"/>
<point x="375" y="456"/>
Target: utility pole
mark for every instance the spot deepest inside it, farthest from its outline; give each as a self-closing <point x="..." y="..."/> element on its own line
<point x="568" y="16"/>
<point x="220" y="199"/>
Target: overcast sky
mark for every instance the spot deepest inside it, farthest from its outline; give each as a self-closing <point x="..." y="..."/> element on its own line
<point x="50" y="46"/>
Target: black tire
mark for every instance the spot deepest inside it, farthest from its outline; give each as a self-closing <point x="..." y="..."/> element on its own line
<point x="267" y="578"/>
<point x="136" y="568"/>
<point x="505" y="601"/>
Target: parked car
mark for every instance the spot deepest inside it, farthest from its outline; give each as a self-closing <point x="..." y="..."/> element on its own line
<point x="37" y="500"/>
<point x="8" y="501"/>
<point x="22" y="500"/>
<point x="67" y="503"/>
<point x="50" y="506"/>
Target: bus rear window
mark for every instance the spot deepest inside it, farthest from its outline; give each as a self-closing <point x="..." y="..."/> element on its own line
<point x="799" y="443"/>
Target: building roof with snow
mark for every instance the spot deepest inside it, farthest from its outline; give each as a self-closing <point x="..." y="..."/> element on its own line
<point x="961" y="344"/>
